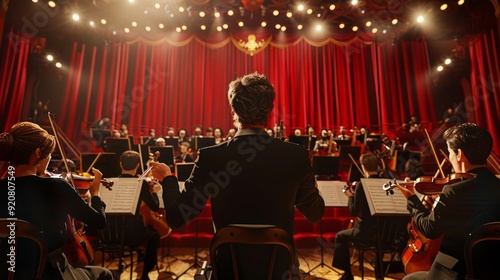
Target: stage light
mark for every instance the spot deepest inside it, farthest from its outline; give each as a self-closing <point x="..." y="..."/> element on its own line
<point x="461" y="2"/>
<point x="368" y="23"/>
<point x="75" y="17"/>
<point x="354" y="2"/>
<point x="299" y="27"/>
<point x="374" y="30"/>
<point x="276" y="13"/>
<point x="395" y="21"/>
<point x="444" y="7"/>
<point x="263" y="24"/>
<point x="440" y="68"/>
<point x="58" y="64"/>
<point x="51" y="4"/>
<point x="341" y="26"/>
<point x="289" y="14"/>
<point x="354" y="28"/>
<point x="309" y="11"/>
<point x="91" y="23"/>
<point x="50" y="57"/>
<point x="131" y="1"/>
<point x="277" y="26"/>
<point x="34" y="1"/>
<point x="384" y="31"/>
<point x="447" y="61"/>
<point x="114" y="32"/>
<point x="216" y="14"/>
<point x="134" y="23"/>
<point x="103" y="21"/>
<point x="230" y="13"/>
<point x="178" y="29"/>
<point x="181" y="9"/>
<point x="319" y="27"/>
<point x="161" y="25"/>
<point x="332" y="7"/>
<point x="202" y="14"/>
<point x="126" y="29"/>
<point x="283" y="28"/>
<point x="147" y="28"/>
<point x="300" y="7"/>
<point x="219" y="28"/>
<point x="420" y="19"/>
<point x="240" y="24"/>
<point x="157" y="5"/>
<point x="203" y="27"/>
<point x="225" y="26"/>
<point x="184" y="27"/>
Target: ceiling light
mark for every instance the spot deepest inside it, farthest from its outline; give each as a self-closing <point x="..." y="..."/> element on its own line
<point x="341" y="26"/>
<point x="203" y="27"/>
<point x="299" y="27"/>
<point x="420" y="19"/>
<point x="134" y="24"/>
<point x="181" y="9"/>
<point x="219" y="28"/>
<point x="278" y="26"/>
<point x="51" y="4"/>
<point x="103" y="21"/>
<point x="395" y="21"/>
<point x="184" y="27"/>
<point x="76" y="17"/>
<point x="34" y="1"/>
<point x="354" y="2"/>
<point x="114" y="32"/>
<point x="50" y="57"/>
<point x="225" y="26"/>
<point x="332" y="7"/>
<point x="461" y="2"/>
<point x="309" y="11"/>
<point x="263" y="24"/>
<point x="230" y="13"/>
<point x="368" y="23"/>
<point x="440" y="68"/>
<point x="289" y="14"/>
<point x="444" y="7"/>
<point x="240" y="24"/>
<point x="91" y="23"/>
<point x="161" y="25"/>
<point x="276" y="13"/>
<point x="216" y="14"/>
<point x="354" y="28"/>
<point x="283" y="28"/>
<point x="58" y="64"/>
<point x="147" y="28"/>
<point x="131" y="1"/>
<point x="300" y="7"/>
<point x="318" y="27"/>
<point x="384" y="31"/>
<point x="157" y="5"/>
<point x="178" y="29"/>
<point x="374" y="30"/>
<point x="202" y="14"/>
<point x="447" y="61"/>
<point x="126" y="29"/>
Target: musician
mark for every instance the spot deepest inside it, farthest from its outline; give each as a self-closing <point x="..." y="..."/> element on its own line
<point x="129" y="163"/>
<point x="342" y="134"/>
<point x="198" y="132"/>
<point x="45" y="203"/>
<point x="184" y="155"/>
<point x="104" y="123"/>
<point x="160" y="142"/>
<point x="251" y="179"/>
<point x="362" y="231"/>
<point x="461" y="207"/>
<point x="322" y="144"/>
<point x="231" y="133"/>
<point x="218" y="135"/>
<point x="183" y="136"/>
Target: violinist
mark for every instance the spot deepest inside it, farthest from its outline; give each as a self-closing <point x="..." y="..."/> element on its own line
<point x="461" y="207"/>
<point x="363" y="230"/>
<point x="45" y="203"/>
<point x="129" y="164"/>
<point x="321" y="146"/>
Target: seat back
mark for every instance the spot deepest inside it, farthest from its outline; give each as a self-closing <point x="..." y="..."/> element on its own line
<point x="23" y="229"/>
<point x="489" y="234"/>
<point x="251" y="235"/>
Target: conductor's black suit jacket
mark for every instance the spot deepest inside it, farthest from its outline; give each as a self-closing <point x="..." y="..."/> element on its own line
<point x="251" y="179"/>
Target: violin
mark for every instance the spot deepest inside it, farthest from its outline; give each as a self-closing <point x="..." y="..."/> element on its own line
<point x="428" y="185"/>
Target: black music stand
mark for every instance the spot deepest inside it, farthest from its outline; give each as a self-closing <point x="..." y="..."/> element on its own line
<point x="326" y="166"/>
<point x="117" y="145"/>
<point x="201" y="142"/>
<point x="174" y="142"/>
<point x="107" y="163"/>
<point x="166" y="155"/>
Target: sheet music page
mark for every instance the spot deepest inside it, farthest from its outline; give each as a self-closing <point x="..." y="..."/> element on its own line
<point x="332" y="194"/>
<point x="123" y="197"/>
<point x="379" y="202"/>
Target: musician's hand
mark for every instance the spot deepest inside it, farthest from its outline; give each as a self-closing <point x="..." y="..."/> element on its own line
<point x="96" y="183"/>
<point x="348" y="193"/>
<point x="160" y="170"/>
<point x="407" y="190"/>
<point x="156" y="188"/>
<point x="428" y="201"/>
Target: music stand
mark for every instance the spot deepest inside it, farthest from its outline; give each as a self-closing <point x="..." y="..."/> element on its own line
<point x="331" y="192"/>
<point x="342" y="142"/>
<point x="117" y="145"/>
<point x="203" y="142"/>
<point x="107" y="163"/>
<point x="326" y="166"/>
<point x="148" y="141"/>
<point x="174" y="142"/>
<point x="166" y="155"/>
<point x="344" y="152"/>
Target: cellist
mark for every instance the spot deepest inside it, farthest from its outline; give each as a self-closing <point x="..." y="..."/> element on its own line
<point x="461" y="207"/>
<point x="45" y="203"/>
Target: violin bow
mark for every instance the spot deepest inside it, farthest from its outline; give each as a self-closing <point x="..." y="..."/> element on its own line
<point x="434" y="152"/>
<point x="61" y="150"/>
<point x="92" y="164"/>
<point x="356" y="164"/>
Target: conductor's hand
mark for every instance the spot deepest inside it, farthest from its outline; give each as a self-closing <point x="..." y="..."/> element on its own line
<point x="96" y="183"/>
<point x="407" y="189"/>
<point x="160" y="170"/>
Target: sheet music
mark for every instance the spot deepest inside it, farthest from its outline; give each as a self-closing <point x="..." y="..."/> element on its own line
<point x="123" y="197"/>
<point x="379" y="202"/>
<point x="332" y="194"/>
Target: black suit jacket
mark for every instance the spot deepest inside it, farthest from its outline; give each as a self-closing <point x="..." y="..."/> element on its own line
<point x="251" y="179"/>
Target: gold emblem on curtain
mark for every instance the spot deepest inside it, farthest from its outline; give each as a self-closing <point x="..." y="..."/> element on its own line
<point x="251" y="46"/>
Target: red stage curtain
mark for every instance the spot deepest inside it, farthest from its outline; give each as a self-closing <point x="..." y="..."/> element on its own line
<point x="156" y="86"/>
<point x="485" y="74"/>
<point x="13" y="72"/>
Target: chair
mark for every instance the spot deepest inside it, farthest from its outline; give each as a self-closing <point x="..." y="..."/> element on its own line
<point x="23" y="229"/>
<point x="481" y="239"/>
<point x="235" y="235"/>
<point x="111" y="241"/>
<point x="393" y="237"/>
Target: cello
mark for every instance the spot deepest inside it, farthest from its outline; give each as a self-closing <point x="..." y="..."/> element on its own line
<point x="77" y="247"/>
